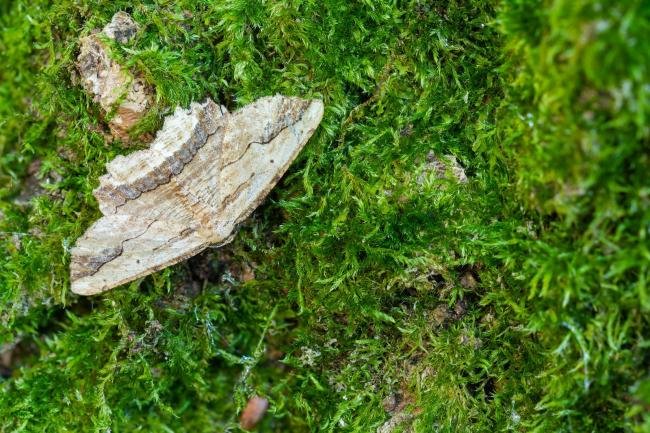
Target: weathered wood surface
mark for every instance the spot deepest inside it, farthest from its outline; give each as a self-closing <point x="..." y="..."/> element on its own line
<point x="205" y="172"/>
<point x="111" y="86"/>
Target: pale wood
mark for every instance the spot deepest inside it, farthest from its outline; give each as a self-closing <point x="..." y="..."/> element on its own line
<point x="113" y="87"/>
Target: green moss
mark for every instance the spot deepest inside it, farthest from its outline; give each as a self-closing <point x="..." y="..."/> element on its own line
<point x="517" y="301"/>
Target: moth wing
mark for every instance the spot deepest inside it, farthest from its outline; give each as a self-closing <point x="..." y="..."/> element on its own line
<point x="179" y="143"/>
<point x="259" y="144"/>
<point x="167" y="220"/>
<point x="159" y="228"/>
<point x="118" y="249"/>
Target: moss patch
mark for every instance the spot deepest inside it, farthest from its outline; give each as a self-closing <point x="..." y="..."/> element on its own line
<point x="517" y="301"/>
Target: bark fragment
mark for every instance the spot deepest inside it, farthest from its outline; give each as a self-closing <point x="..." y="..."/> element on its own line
<point x="124" y="98"/>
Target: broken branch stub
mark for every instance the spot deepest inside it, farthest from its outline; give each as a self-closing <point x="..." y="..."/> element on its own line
<point x="205" y="172"/>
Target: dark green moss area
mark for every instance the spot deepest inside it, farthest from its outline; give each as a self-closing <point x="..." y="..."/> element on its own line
<point x="517" y="301"/>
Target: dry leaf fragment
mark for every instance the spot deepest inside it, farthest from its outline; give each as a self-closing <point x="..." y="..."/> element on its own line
<point x="205" y="172"/>
<point x="112" y="87"/>
<point x="253" y="412"/>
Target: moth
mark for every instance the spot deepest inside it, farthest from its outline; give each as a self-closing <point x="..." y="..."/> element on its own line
<point x="204" y="173"/>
